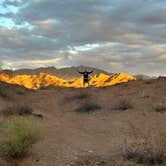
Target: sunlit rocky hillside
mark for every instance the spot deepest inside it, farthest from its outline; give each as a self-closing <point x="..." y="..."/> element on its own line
<point x="42" y="80"/>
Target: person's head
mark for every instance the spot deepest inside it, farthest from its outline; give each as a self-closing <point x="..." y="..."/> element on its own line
<point x="85" y="70"/>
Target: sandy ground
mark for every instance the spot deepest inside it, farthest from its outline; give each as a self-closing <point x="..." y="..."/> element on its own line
<point x="69" y="134"/>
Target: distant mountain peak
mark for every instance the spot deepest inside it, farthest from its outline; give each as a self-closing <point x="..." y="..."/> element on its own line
<point x="67" y="73"/>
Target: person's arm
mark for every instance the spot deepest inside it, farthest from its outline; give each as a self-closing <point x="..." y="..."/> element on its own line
<point x="80" y="72"/>
<point x="90" y="72"/>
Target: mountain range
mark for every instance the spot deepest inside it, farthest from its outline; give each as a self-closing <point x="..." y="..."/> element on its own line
<point x="66" y="77"/>
<point x="68" y="73"/>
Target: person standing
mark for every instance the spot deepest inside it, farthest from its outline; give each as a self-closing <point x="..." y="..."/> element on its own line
<point x="85" y="76"/>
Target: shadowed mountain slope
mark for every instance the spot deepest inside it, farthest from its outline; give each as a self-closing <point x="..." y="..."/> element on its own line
<point x="68" y="73"/>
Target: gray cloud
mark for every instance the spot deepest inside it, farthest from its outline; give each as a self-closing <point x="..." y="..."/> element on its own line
<point x="123" y="35"/>
<point x="16" y="3"/>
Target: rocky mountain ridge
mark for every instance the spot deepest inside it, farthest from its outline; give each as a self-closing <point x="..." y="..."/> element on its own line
<point x="42" y="80"/>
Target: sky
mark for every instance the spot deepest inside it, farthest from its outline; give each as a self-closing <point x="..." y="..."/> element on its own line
<point x="115" y="35"/>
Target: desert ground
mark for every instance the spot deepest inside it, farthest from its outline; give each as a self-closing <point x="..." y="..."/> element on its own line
<point x="90" y="126"/>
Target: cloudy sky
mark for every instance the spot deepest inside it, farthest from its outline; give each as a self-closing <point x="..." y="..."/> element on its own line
<point x="115" y="35"/>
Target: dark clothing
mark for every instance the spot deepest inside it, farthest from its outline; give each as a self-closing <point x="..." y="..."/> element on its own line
<point x="86" y="76"/>
<point x="86" y="79"/>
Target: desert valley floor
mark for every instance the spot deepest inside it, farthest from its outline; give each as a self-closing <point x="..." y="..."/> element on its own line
<point x="94" y="137"/>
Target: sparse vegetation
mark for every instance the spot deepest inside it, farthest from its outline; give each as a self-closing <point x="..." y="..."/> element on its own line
<point x="88" y="107"/>
<point x="123" y="105"/>
<point x="80" y="96"/>
<point x="19" y="134"/>
<point x="146" y="147"/>
<point x="17" y="110"/>
<point x="3" y="93"/>
<point x="160" y="108"/>
<point x="141" y="156"/>
<point x="94" y="160"/>
<point x="148" y="82"/>
<point x="20" y="92"/>
<point x="89" y="160"/>
<point x="4" y="163"/>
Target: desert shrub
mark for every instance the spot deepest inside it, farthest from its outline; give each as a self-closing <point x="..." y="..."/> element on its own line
<point x="160" y="108"/>
<point x="3" y="93"/>
<point x="80" y="96"/>
<point x="19" y="134"/>
<point x="89" y="161"/>
<point x="88" y="107"/>
<point x="146" y="147"/>
<point x="144" y="156"/>
<point x="94" y="160"/>
<point x="148" y="82"/>
<point x="123" y="105"/>
<point x="20" y="92"/>
<point x="17" y="110"/>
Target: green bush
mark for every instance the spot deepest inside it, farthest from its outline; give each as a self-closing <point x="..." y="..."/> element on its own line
<point x="19" y="134"/>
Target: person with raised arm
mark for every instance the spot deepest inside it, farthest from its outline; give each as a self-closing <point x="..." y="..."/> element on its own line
<point x="85" y="76"/>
